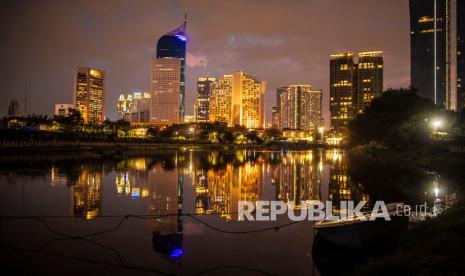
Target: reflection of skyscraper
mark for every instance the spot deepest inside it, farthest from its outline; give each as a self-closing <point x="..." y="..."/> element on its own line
<point x="89" y="94"/>
<point x="202" y="103"/>
<point x="340" y="185"/>
<point x="166" y="204"/>
<point x="87" y="193"/>
<point x="297" y="178"/>
<point x="172" y="47"/>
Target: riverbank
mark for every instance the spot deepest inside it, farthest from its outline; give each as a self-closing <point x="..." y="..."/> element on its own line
<point x="426" y="249"/>
<point x="431" y="158"/>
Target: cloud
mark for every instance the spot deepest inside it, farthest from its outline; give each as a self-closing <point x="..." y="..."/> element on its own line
<point x="250" y="40"/>
<point x="193" y="60"/>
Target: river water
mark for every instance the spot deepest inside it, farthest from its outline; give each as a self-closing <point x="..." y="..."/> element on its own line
<point x="174" y="212"/>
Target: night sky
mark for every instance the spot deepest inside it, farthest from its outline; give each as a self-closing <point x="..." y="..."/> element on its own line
<point x="281" y="42"/>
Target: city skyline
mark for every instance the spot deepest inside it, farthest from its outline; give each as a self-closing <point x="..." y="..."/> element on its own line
<point x="238" y="45"/>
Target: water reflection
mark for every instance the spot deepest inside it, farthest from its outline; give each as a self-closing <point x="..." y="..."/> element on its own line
<point x="167" y="184"/>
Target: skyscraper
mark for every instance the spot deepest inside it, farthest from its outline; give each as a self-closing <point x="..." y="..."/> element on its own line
<point x="166" y="79"/>
<point x="431" y="36"/>
<point x="341" y="89"/>
<point x="301" y="108"/>
<point x="460" y="54"/>
<point x="369" y="78"/>
<point x="353" y="85"/>
<point x="203" y="98"/>
<point x="172" y="46"/>
<point x="13" y="108"/>
<point x="89" y="94"/>
<point x="276" y="121"/>
<point x="238" y="99"/>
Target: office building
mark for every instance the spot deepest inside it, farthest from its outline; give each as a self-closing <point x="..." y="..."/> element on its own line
<point x="13" y="108"/>
<point x="171" y="57"/>
<point x="203" y="99"/>
<point x="165" y="90"/>
<point x="89" y="94"/>
<point x="436" y="47"/>
<point x="134" y="107"/>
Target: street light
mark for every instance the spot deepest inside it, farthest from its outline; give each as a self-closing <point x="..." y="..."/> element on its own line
<point x="436" y="124"/>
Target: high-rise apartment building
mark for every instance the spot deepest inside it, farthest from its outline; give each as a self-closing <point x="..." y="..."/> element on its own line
<point x="171" y="46"/>
<point x="238" y="99"/>
<point x="436" y="47"/>
<point x="341" y="89"/>
<point x="202" y="102"/>
<point x="13" y="108"/>
<point x="89" y="94"/>
<point x="277" y="109"/>
<point x="165" y="90"/>
<point x="368" y="79"/>
<point x="353" y="85"/>
<point x="301" y="108"/>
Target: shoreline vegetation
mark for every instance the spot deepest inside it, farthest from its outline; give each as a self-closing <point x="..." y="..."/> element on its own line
<point x="402" y="128"/>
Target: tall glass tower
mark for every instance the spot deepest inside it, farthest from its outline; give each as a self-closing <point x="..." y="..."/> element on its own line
<point x="429" y="46"/>
<point x="173" y="45"/>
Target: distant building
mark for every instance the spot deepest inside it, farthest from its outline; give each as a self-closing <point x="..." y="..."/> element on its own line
<point x="277" y="109"/>
<point x="238" y="99"/>
<point x="13" y="108"/>
<point x="89" y="94"/>
<point x="189" y="118"/>
<point x="275" y="118"/>
<point x="436" y="41"/>
<point x="135" y="107"/>
<point x="62" y="109"/>
<point x="353" y="85"/>
<point x="202" y="102"/>
<point x="171" y="58"/>
<point x="301" y="108"/>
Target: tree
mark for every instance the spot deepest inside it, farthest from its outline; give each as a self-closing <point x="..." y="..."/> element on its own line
<point x="271" y="134"/>
<point x="397" y="117"/>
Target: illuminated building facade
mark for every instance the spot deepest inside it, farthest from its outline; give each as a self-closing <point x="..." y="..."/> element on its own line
<point x="297" y="178"/>
<point x="134" y="107"/>
<point x="202" y="103"/>
<point x="301" y="108"/>
<point x="353" y="85"/>
<point x="89" y="94"/>
<point x="460" y="54"/>
<point x="341" y="89"/>
<point x="62" y="109"/>
<point x="430" y="49"/>
<point x="276" y="116"/>
<point x="238" y="99"/>
<point x="369" y="78"/>
<point x="165" y="90"/>
<point x="87" y="193"/>
<point x="171" y="46"/>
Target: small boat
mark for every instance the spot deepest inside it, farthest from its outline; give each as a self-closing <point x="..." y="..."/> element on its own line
<point x="360" y="233"/>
